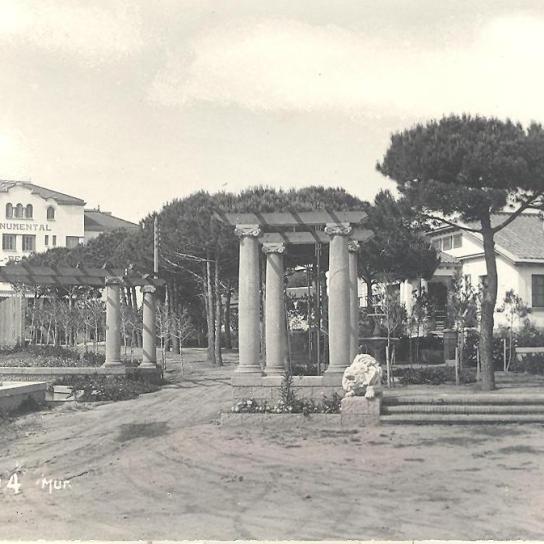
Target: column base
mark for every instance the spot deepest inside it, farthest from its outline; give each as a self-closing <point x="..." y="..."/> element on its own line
<point x="248" y="370"/>
<point x="147" y="364"/>
<point x="109" y="364"/>
<point x="333" y="376"/>
<point x="274" y="371"/>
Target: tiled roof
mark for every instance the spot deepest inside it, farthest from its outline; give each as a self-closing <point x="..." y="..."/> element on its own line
<point x="61" y="198"/>
<point x="98" y="221"/>
<point x="523" y="237"/>
<point x="446" y="258"/>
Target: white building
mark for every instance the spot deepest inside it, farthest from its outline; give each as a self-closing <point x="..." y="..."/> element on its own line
<point x="519" y="250"/>
<point x="35" y="219"/>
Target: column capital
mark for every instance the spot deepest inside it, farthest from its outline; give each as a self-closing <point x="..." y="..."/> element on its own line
<point x="338" y="229"/>
<point x="248" y="230"/>
<point x="353" y="246"/>
<point x="114" y="280"/>
<point x="149" y="289"/>
<point x="274" y="247"/>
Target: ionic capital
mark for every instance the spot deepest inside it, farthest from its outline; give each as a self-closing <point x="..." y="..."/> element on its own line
<point x="338" y="229"/>
<point x="274" y="247"/>
<point x="248" y="230"/>
<point x="354" y="246"/>
<point x="149" y="289"/>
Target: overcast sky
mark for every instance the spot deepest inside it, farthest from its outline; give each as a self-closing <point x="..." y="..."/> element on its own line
<point x="129" y="104"/>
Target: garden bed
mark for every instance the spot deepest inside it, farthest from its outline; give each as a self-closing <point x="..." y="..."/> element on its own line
<point x="54" y="357"/>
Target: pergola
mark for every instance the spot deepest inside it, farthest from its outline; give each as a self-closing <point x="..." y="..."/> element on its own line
<point x="283" y="234"/>
<point x="109" y="278"/>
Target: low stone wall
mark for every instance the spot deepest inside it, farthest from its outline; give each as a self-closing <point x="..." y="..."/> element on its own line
<point x="279" y="421"/>
<point x="52" y="374"/>
<point x="13" y="394"/>
<point x="267" y="388"/>
<point x="356" y="412"/>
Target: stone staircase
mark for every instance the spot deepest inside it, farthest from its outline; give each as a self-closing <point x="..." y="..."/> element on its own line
<point x="471" y="408"/>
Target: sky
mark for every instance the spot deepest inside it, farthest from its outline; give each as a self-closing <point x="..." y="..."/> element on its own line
<point x="130" y="104"/>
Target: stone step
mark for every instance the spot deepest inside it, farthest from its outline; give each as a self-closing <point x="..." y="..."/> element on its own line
<point x="464" y="409"/>
<point x="460" y="419"/>
<point x="475" y="398"/>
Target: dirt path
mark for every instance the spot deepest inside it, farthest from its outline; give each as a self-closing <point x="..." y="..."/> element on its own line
<point x="159" y="467"/>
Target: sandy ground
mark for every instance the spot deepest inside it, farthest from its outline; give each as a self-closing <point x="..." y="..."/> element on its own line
<point x="160" y="467"/>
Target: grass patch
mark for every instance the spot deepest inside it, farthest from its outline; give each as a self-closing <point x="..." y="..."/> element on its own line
<point x="107" y="388"/>
<point x="131" y="431"/>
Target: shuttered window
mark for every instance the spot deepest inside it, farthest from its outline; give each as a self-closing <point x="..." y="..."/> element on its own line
<point x="538" y="291"/>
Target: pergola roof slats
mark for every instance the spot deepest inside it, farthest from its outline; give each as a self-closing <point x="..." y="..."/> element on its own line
<point x="65" y="276"/>
<point x="293" y="219"/>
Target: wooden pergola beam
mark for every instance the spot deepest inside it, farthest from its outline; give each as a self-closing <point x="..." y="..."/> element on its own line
<point x="292" y="219"/>
<point x="306" y="238"/>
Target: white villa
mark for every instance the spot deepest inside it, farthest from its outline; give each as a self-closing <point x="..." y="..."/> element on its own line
<point x="35" y="219"/>
<point x="520" y="263"/>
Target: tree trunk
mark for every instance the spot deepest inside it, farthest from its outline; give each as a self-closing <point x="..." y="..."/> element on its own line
<point x="218" y="357"/>
<point x="210" y="312"/>
<point x="489" y="300"/>
<point x="228" y="330"/>
<point x="175" y="314"/>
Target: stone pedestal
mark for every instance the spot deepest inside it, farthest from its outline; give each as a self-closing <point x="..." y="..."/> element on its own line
<point x="360" y="411"/>
<point x="339" y="301"/>
<point x="353" y="250"/>
<point x="149" y="348"/>
<point x="113" y="322"/>
<point x="275" y="325"/>
<point x="248" y="300"/>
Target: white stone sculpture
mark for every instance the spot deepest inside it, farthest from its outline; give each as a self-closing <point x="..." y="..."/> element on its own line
<point x="362" y="377"/>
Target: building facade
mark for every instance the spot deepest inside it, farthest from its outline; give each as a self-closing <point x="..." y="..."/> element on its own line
<point x="519" y="249"/>
<point x="35" y="219"/>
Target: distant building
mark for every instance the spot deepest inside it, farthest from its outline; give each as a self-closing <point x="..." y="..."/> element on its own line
<point x="519" y="249"/>
<point x="34" y="219"/>
<point x="97" y="222"/>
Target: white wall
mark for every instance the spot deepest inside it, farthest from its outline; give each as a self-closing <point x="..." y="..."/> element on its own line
<point x="68" y="222"/>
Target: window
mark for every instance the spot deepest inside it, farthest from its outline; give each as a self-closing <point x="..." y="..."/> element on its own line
<point x="54" y="239"/>
<point x="9" y="210"/>
<point x="29" y="211"/>
<point x="50" y="213"/>
<point x="538" y="291"/>
<point x="9" y="242"/>
<point x="437" y="244"/>
<point x="29" y="242"/>
<point x="19" y="211"/>
<point x="457" y="240"/>
<point x="72" y="241"/>
<point x="47" y="239"/>
<point x="446" y="243"/>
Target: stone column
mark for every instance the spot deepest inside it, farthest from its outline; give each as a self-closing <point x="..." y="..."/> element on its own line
<point x="275" y="326"/>
<point x="339" y="301"/>
<point x="353" y="250"/>
<point x="248" y="300"/>
<point x="113" y="321"/>
<point x="149" y="348"/>
<point x="407" y="296"/>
